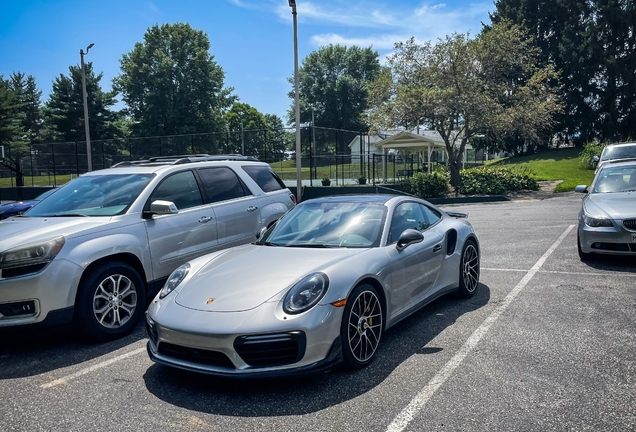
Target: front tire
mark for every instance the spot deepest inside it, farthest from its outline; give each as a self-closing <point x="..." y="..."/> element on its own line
<point x="110" y="302"/>
<point x="361" y="327"/>
<point x="469" y="270"/>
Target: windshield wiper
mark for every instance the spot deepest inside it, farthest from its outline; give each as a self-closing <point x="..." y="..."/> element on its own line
<point x="311" y="245"/>
<point x="266" y="243"/>
<point x="66" y="215"/>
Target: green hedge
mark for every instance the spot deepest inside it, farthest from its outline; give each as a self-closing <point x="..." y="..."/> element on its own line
<point x="424" y="185"/>
<point x="496" y="180"/>
<point x="587" y="154"/>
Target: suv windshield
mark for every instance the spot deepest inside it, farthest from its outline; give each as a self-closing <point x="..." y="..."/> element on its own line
<point x="93" y="195"/>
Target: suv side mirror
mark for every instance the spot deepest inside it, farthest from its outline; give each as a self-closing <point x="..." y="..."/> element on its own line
<point x="409" y="237"/>
<point x="160" y="207"/>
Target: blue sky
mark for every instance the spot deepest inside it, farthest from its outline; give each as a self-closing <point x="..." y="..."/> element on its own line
<point x="252" y="40"/>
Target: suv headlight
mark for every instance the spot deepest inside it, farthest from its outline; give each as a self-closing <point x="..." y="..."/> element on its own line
<point x="306" y="293"/>
<point x="597" y="222"/>
<point x="175" y="279"/>
<point x="31" y="254"/>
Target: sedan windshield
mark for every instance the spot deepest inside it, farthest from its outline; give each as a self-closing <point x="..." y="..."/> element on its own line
<point x="92" y="195"/>
<point x="616" y="179"/>
<point x="329" y="224"/>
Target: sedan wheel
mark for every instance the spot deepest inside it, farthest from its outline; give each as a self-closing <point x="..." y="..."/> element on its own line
<point x="361" y="326"/>
<point x="469" y="270"/>
<point x="110" y="302"/>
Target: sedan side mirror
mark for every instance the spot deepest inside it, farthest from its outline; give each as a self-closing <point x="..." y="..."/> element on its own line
<point x="581" y="189"/>
<point x="407" y="238"/>
<point x="261" y="232"/>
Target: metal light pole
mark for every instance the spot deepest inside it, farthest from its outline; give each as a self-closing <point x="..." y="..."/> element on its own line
<point x="299" y="181"/>
<point x="84" y="97"/>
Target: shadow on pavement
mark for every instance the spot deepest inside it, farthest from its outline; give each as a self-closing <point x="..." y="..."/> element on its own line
<point x="297" y="396"/>
<point x="615" y="263"/>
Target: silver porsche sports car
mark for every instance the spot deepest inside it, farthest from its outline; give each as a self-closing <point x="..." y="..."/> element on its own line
<point x="607" y="220"/>
<point x="317" y="289"/>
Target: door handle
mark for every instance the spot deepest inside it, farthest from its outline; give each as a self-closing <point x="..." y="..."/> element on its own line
<point x="205" y="219"/>
<point x="251" y="208"/>
<point x="437" y="248"/>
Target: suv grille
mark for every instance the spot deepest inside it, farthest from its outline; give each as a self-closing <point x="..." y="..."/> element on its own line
<point x="630" y="224"/>
<point x="271" y="349"/>
<point x="200" y="356"/>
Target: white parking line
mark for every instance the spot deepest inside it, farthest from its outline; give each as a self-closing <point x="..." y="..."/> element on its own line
<point x="403" y="419"/>
<point x="97" y="366"/>
<point x="609" y="272"/>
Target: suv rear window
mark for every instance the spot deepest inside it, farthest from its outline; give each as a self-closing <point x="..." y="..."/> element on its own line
<point x="264" y="177"/>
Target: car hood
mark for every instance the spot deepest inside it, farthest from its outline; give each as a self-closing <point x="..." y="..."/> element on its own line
<point x="245" y="277"/>
<point x="618" y="205"/>
<point x="19" y="231"/>
<point x="13" y="206"/>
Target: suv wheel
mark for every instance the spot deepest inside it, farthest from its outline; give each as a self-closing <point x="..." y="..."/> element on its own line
<point x="110" y="301"/>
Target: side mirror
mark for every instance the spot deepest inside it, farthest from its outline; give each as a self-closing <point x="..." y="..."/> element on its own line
<point x="261" y="232"/>
<point x="581" y="189"/>
<point x="595" y="159"/>
<point x="160" y="207"/>
<point x="407" y="238"/>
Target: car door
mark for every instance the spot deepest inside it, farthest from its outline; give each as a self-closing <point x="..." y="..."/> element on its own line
<point x="414" y="269"/>
<point x="176" y="238"/>
<point x="236" y="208"/>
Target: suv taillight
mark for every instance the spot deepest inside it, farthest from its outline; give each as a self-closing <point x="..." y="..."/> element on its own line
<point x="293" y="198"/>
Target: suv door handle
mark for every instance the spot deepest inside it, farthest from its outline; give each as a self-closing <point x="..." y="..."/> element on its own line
<point x="251" y="208"/>
<point x="205" y="219"/>
<point x="437" y="248"/>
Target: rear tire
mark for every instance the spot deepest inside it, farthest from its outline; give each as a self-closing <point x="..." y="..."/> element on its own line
<point x="110" y="301"/>
<point x="469" y="270"/>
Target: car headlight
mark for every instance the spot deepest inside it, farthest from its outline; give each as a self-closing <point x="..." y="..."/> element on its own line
<point x="306" y="293"/>
<point x="175" y="279"/>
<point x="31" y="254"/>
<point x="596" y="222"/>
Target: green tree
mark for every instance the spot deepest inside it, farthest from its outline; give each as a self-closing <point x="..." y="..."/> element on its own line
<point x="30" y="105"/>
<point x="12" y="134"/>
<point x="64" y="110"/>
<point x="171" y="83"/>
<point x="248" y="126"/>
<point x="593" y="44"/>
<point x="333" y="82"/>
<point x="277" y="139"/>
<point x="465" y="88"/>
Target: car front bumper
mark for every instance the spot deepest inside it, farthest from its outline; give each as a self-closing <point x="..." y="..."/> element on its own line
<point x="612" y="241"/>
<point x="31" y="299"/>
<point x="247" y="344"/>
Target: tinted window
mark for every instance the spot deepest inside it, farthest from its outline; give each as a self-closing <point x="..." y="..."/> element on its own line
<point x="264" y="177"/>
<point x="181" y="189"/>
<point x="221" y="184"/>
<point x="619" y="152"/>
<point x="411" y="216"/>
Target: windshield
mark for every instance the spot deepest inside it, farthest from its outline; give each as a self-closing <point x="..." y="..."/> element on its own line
<point x="93" y="195"/>
<point x="616" y="179"/>
<point x="329" y="224"/>
<point x="619" y="152"/>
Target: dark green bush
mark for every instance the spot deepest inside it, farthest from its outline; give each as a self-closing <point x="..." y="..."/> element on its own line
<point x="426" y="185"/>
<point x="496" y="180"/>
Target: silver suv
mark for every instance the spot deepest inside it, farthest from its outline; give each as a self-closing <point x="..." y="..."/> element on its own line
<point x="93" y="251"/>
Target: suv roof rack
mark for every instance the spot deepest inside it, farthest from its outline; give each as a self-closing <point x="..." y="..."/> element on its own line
<point x="184" y="159"/>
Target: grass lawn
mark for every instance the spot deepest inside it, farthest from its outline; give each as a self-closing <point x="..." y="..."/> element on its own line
<point x="560" y="164"/>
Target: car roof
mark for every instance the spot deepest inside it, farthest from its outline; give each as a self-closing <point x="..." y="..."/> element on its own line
<point x="619" y="163"/>
<point x="164" y="163"/>
<point x="375" y="199"/>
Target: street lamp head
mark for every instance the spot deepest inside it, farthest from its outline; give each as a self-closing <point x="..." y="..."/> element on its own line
<point x="292" y="4"/>
<point x="89" y="47"/>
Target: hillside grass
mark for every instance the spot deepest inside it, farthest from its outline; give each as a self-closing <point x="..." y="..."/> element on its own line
<point x="560" y="164"/>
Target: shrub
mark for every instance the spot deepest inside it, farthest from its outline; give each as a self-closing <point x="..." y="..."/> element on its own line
<point x="590" y="150"/>
<point x="496" y="180"/>
<point x="426" y="185"/>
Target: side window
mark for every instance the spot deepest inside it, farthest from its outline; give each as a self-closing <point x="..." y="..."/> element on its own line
<point x="221" y="184"/>
<point x="410" y="216"/>
<point x="431" y="215"/>
<point x="181" y="188"/>
<point x="264" y="177"/>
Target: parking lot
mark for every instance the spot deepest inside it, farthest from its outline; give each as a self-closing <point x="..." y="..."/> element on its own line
<point x="548" y="343"/>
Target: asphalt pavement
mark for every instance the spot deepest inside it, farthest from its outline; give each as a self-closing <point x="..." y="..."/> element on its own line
<point x="547" y="344"/>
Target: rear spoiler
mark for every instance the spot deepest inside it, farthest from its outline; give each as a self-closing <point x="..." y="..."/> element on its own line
<point x="458" y="215"/>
